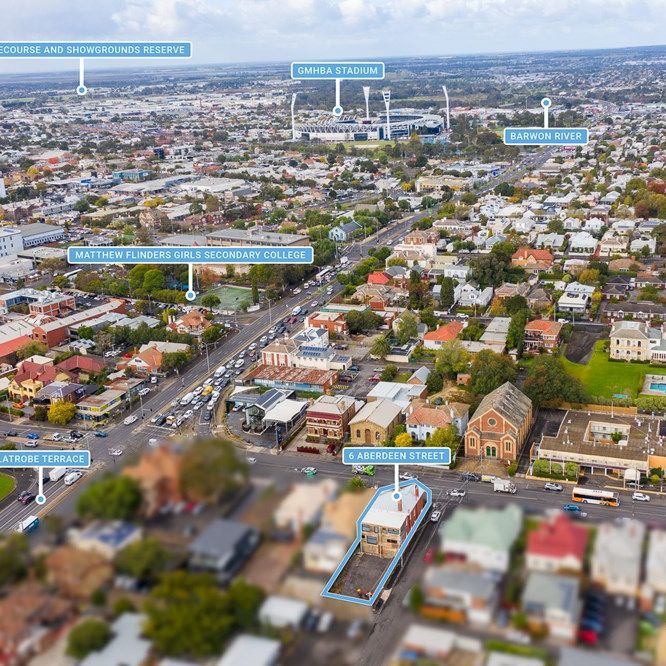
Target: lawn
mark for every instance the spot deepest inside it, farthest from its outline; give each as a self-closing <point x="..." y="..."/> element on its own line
<point x="230" y="297"/>
<point x="604" y="378"/>
<point x="7" y="484"/>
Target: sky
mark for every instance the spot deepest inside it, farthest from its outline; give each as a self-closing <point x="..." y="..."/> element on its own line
<point x="284" y="30"/>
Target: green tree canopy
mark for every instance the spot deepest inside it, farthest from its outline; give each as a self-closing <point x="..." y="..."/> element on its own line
<point x="490" y="370"/>
<point x="548" y="384"/>
<point x="143" y="560"/>
<point x="87" y="636"/>
<point x="451" y="359"/>
<point x="111" y="498"/>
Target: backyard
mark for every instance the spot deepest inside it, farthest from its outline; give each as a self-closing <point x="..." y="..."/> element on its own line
<point x="607" y="379"/>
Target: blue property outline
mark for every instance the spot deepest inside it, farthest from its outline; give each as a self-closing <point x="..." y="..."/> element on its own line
<point x="326" y="592"/>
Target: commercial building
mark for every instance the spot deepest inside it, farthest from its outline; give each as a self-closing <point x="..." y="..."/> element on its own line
<point x="97" y="408"/>
<point x="328" y="417"/>
<point x="11" y="242"/>
<point x="39" y="234"/>
<point x="387" y="523"/>
<point x="294" y="379"/>
<point x="603" y="442"/>
<point x="375" y="423"/>
<point x="500" y="424"/>
<point x="52" y="303"/>
<point x="245" y="237"/>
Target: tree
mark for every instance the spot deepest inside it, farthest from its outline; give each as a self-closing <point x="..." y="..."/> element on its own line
<point x="589" y="276"/>
<point x="188" y="614"/>
<point x="143" y="560"/>
<point x="407" y="328"/>
<point x="446" y="294"/>
<point x="14" y="558"/>
<point x="87" y="636"/>
<point x="153" y="280"/>
<point x="489" y="371"/>
<point x="212" y="334"/>
<point x="435" y="382"/>
<point x="447" y="437"/>
<point x="362" y="322"/>
<point x="174" y="360"/>
<point x="451" y="359"/>
<point x="61" y="412"/>
<point x="403" y="439"/>
<point x="136" y="276"/>
<point x="473" y="331"/>
<point x="30" y="349"/>
<point x="111" y="498"/>
<point x="104" y="340"/>
<point x="389" y="373"/>
<point x="516" y="333"/>
<point x="255" y="292"/>
<point x="548" y="384"/>
<point x="381" y="347"/>
<point x="210" y="301"/>
<point x="515" y="304"/>
<point x="211" y="470"/>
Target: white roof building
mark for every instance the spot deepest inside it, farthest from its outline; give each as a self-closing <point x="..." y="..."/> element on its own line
<point x="246" y="650"/>
<point x="280" y="612"/>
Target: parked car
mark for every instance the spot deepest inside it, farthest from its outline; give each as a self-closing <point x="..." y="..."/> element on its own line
<point x="32" y="435"/>
<point x="375" y="378"/>
<point x="553" y="486"/>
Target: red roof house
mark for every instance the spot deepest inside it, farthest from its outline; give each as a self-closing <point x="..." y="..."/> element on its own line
<point x="556" y="545"/>
<point x="435" y="339"/>
<point x="379" y="277"/>
<point x="530" y="259"/>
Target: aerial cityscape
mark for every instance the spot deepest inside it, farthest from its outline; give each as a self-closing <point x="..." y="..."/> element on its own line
<point x="332" y="356"/>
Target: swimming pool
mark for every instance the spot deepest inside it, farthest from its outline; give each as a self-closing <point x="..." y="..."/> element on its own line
<point x="658" y="386"/>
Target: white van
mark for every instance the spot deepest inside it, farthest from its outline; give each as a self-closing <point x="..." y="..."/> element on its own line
<point x="296" y="311"/>
<point x="187" y="399"/>
<point x="220" y="371"/>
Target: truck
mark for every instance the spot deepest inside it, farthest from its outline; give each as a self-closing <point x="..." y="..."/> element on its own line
<point x="28" y="524"/>
<point x="504" y="486"/>
<point x="57" y="473"/>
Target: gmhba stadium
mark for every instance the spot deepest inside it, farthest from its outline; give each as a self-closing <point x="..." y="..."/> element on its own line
<point x="403" y="123"/>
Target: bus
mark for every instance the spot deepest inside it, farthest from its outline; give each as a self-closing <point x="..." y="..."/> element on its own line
<point x="322" y="274"/>
<point x="594" y="496"/>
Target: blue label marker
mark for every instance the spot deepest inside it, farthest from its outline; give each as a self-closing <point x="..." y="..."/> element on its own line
<point x="95" y="49"/>
<point x="44" y="458"/>
<point x="408" y="455"/>
<point x="546" y="136"/>
<point x="337" y="70"/>
<point x="297" y="254"/>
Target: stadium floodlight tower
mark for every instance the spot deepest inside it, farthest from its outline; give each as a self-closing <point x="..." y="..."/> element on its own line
<point x="293" y="116"/>
<point x="366" y="94"/>
<point x="446" y="96"/>
<point x="386" y="94"/>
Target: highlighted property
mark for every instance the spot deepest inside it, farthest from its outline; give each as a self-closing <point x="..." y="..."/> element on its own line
<point x="384" y="531"/>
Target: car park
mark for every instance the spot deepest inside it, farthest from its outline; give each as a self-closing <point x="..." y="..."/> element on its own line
<point x="557" y="487"/>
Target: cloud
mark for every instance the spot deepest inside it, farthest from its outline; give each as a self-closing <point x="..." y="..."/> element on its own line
<point x="236" y="30"/>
